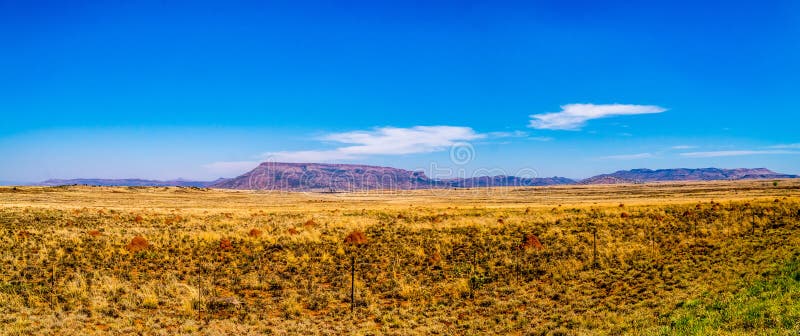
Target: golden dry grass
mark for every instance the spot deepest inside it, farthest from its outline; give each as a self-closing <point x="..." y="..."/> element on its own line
<point x="670" y="258"/>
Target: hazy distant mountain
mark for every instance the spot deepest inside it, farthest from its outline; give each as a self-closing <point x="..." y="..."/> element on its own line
<point x="129" y="182"/>
<point x="347" y="177"/>
<point x="683" y="174"/>
<point x="505" y="181"/>
<point x="351" y="177"/>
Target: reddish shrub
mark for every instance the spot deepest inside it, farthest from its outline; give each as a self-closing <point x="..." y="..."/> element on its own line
<point x="137" y="244"/>
<point x="94" y="233"/>
<point x="254" y="233"/>
<point x="310" y="223"/>
<point x="434" y="258"/>
<point x="356" y="238"/>
<point x="23" y="234"/>
<point x="500" y="221"/>
<point x="531" y="241"/>
<point x="225" y="244"/>
<point x="293" y="231"/>
<point x="621" y="205"/>
<point x="624" y="215"/>
<point x="138" y="219"/>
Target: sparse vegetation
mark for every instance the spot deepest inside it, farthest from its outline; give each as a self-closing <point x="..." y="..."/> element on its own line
<point x="696" y="258"/>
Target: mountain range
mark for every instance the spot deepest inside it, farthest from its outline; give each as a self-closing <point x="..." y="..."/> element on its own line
<point x="351" y="177"/>
<point x="128" y="182"/>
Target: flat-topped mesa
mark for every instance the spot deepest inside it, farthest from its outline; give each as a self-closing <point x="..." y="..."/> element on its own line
<point x="351" y="177"/>
<point x="326" y="177"/>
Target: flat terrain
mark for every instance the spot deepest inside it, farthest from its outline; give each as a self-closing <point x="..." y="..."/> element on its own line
<point x="645" y="259"/>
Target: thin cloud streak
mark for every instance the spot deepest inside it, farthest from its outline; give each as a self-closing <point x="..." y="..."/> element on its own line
<point x="628" y="156"/>
<point x="735" y="153"/>
<point x="573" y="117"/>
<point x="793" y="146"/>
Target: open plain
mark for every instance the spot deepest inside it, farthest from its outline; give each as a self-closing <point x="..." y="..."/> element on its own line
<point x="643" y="259"/>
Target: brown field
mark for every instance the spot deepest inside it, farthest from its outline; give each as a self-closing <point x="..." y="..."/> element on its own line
<point x="671" y="258"/>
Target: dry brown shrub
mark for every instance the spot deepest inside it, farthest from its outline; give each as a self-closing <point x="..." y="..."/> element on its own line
<point x="94" y="233"/>
<point x="138" y="219"/>
<point x="356" y="238"/>
<point x="624" y="215"/>
<point x="23" y="234"/>
<point x="293" y="231"/>
<point x="434" y="258"/>
<point x="254" y="232"/>
<point x="622" y="205"/>
<point x="531" y="241"/>
<point x="137" y="244"/>
<point x="500" y="221"/>
<point x="310" y="223"/>
<point x="225" y="244"/>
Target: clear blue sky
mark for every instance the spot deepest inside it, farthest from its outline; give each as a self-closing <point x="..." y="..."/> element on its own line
<point x="168" y="89"/>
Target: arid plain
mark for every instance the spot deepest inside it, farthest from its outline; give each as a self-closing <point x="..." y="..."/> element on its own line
<point x="643" y="259"/>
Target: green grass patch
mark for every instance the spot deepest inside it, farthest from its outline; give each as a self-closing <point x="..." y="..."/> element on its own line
<point x="770" y="306"/>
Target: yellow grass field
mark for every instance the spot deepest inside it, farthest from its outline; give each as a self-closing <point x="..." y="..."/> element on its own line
<point x="646" y="259"/>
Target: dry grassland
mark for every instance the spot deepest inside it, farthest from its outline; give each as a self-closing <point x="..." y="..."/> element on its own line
<point x="671" y="258"/>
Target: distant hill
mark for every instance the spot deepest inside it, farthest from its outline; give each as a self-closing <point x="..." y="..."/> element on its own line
<point x="683" y="174"/>
<point x="348" y="177"/>
<point x="505" y="181"/>
<point x="351" y="177"/>
<point x="129" y="183"/>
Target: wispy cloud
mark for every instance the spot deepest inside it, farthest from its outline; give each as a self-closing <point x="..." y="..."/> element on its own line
<point x="735" y="153"/>
<point x="574" y="116"/>
<point x="541" y="138"/>
<point x="628" y="156"/>
<point x="382" y="141"/>
<point x="794" y="145"/>
<point x="683" y="147"/>
<point x="514" y="134"/>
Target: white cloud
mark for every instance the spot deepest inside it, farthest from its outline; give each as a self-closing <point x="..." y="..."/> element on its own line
<point x="541" y="138"/>
<point x="575" y="116"/>
<point x="514" y="134"/>
<point x="683" y="147"/>
<point x="795" y="145"/>
<point x="629" y="156"/>
<point x="382" y="141"/>
<point x="735" y="153"/>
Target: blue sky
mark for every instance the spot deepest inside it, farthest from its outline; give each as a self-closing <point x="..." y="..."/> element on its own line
<point x="199" y="90"/>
